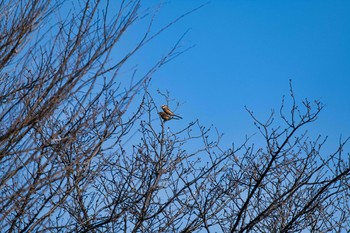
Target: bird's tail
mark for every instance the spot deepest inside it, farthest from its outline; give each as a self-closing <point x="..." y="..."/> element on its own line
<point x="176" y="117"/>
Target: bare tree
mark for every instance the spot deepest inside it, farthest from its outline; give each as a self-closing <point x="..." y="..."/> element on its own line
<point x="64" y="106"/>
<point x="288" y="185"/>
<point x="82" y="148"/>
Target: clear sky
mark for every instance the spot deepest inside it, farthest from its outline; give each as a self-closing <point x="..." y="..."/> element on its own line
<point x="246" y="51"/>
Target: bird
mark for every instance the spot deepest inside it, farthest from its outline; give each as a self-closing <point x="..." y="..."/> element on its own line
<point x="169" y="112"/>
<point x="164" y="116"/>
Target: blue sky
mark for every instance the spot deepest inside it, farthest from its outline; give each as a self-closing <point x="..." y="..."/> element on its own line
<point x="246" y="51"/>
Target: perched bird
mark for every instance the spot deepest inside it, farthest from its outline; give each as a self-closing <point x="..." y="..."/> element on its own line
<point x="169" y="112"/>
<point x="164" y="116"/>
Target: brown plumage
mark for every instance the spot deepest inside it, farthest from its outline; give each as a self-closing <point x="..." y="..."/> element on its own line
<point x="164" y="116"/>
<point x="169" y="112"/>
